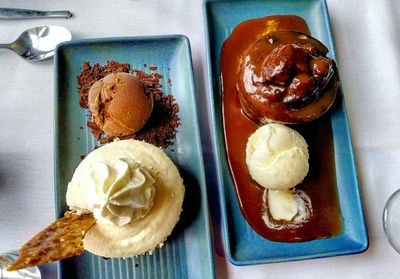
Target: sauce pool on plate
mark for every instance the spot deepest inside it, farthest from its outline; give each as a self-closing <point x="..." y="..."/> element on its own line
<point x="320" y="182"/>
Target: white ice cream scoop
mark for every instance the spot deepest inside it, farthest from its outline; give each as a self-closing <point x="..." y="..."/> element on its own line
<point x="277" y="157"/>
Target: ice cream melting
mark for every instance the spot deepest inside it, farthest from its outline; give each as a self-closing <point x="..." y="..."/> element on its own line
<point x="277" y="159"/>
<point x="287" y="209"/>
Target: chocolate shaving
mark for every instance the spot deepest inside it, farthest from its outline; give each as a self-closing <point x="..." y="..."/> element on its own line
<point x="160" y="129"/>
<point x="90" y="75"/>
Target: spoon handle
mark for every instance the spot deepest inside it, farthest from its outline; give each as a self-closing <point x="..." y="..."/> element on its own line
<point x="6" y="13"/>
<point x="5" y="46"/>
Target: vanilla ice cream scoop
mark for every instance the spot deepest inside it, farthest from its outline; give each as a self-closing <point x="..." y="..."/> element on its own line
<point x="277" y="157"/>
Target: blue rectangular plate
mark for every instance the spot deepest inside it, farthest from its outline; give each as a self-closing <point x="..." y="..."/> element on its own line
<point x="187" y="253"/>
<point x="243" y="245"/>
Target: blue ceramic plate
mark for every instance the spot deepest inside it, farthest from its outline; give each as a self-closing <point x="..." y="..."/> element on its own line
<point x="187" y="253"/>
<point x="243" y="245"/>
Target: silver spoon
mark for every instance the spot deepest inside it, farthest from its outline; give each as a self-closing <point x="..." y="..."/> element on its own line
<point x="39" y="43"/>
<point x="32" y="272"/>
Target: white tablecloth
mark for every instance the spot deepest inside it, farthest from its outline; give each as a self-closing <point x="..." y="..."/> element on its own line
<point x="368" y="44"/>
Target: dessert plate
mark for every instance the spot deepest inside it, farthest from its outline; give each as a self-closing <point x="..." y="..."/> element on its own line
<point x="242" y="244"/>
<point x="187" y="253"/>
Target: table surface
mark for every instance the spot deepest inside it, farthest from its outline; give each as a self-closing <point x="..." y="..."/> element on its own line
<point x="368" y="46"/>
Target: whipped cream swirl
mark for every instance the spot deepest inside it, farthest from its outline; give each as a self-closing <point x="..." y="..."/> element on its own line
<point x="123" y="191"/>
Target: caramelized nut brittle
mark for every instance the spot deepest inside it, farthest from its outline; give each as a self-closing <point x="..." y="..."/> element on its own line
<point x="62" y="239"/>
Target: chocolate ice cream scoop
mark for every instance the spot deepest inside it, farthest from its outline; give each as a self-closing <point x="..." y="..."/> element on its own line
<point x="119" y="104"/>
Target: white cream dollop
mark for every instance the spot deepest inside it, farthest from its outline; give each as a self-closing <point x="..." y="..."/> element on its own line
<point x="293" y="207"/>
<point x="282" y="204"/>
<point x="277" y="157"/>
<point x="122" y="192"/>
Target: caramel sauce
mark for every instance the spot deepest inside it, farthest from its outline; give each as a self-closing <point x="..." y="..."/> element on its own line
<point x="320" y="182"/>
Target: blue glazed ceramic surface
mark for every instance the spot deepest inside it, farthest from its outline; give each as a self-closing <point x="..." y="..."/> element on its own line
<point x="243" y="245"/>
<point x="187" y="253"/>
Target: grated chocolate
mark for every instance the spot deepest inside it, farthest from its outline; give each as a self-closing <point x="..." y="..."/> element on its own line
<point x="160" y="129"/>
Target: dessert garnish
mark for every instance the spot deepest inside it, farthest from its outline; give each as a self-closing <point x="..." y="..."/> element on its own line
<point x="62" y="239"/>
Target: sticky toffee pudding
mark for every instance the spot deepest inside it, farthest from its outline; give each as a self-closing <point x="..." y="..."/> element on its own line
<point x="273" y="70"/>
